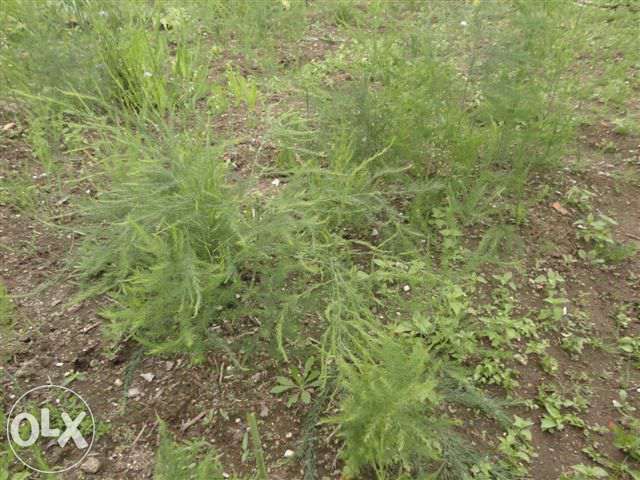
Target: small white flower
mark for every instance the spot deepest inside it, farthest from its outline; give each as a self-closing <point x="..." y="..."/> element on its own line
<point x="148" y="74"/>
<point x="102" y="13"/>
<point x="463" y="23"/>
<point x="406" y="288"/>
<point x="276" y="182"/>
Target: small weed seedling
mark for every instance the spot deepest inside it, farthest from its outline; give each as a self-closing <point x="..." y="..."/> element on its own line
<point x="516" y="445"/>
<point x="627" y="439"/>
<point x="556" y="308"/>
<point x="244" y="90"/>
<point x="554" y="404"/>
<point x="585" y="472"/>
<point x="596" y="231"/>
<point x="580" y="198"/>
<point x="300" y="384"/>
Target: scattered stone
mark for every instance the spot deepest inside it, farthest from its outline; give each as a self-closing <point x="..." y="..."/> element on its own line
<point x="91" y="465"/>
<point x="118" y="382"/>
<point x="63" y="200"/>
<point x="264" y="411"/>
<point x="406" y="288"/>
<point x="169" y="366"/>
<point x="289" y="453"/>
<point x="26" y="370"/>
<point x="134" y="392"/>
<point x="148" y="376"/>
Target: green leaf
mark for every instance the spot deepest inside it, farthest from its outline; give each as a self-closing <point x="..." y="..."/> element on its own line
<point x="281" y="388"/>
<point x="292" y="399"/>
<point x="308" y="365"/>
<point x="285" y="381"/>
<point x="548" y="423"/>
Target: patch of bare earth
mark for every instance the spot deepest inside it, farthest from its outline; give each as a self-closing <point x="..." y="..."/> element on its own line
<point x="597" y="292"/>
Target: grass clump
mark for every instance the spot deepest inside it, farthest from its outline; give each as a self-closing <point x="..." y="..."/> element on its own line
<point x="393" y="416"/>
<point x="188" y="461"/>
<point x="145" y="77"/>
<point x="197" y="460"/>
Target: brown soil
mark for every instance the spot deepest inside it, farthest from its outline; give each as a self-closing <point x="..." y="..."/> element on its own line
<point x="211" y="400"/>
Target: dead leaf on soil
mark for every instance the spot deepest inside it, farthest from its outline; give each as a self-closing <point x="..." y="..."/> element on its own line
<point x="559" y="208"/>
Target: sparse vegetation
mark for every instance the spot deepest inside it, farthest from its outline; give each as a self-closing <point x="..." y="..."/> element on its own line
<point x="349" y="193"/>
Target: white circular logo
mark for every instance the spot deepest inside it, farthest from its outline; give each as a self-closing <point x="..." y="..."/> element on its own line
<point x="51" y="416"/>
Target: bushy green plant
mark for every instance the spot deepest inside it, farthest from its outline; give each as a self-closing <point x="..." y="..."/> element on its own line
<point x="389" y="417"/>
<point x="170" y="238"/>
<point x="477" y="139"/>
<point x="50" y="47"/>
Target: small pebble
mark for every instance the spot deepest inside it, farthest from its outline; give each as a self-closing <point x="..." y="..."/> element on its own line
<point x="91" y="465"/>
<point x="133" y="392"/>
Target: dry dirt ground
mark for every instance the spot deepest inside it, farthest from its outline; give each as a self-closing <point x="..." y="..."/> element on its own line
<point x="210" y="400"/>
